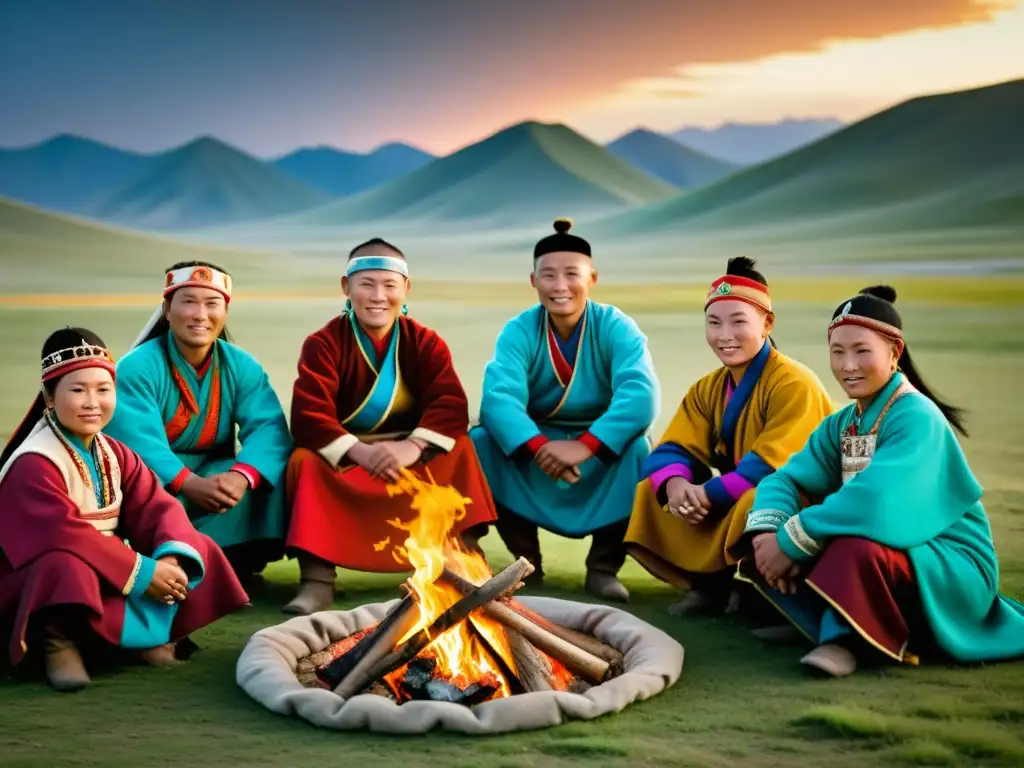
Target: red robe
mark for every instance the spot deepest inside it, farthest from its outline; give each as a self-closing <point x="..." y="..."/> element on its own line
<point x="340" y="513"/>
<point x="51" y="556"/>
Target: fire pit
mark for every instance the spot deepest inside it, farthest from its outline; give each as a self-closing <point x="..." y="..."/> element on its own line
<point x="458" y="650"/>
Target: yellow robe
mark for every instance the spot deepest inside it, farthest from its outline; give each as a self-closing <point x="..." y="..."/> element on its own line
<point x="787" y="402"/>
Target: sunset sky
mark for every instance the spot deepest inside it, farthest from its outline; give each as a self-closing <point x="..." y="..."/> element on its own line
<point x="271" y="76"/>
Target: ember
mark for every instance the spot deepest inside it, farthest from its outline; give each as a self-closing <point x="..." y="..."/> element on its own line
<point x="458" y="635"/>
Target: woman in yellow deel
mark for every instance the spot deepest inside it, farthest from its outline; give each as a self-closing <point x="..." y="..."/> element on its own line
<point x="744" y="420"/>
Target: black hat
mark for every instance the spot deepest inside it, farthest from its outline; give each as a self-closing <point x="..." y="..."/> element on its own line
<point x="561" y="241"/>
<point x="872" y="308"/>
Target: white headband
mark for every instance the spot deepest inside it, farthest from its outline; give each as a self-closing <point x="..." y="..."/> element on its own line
<point x="388" y="263"/>
<point x="198" y="277"/>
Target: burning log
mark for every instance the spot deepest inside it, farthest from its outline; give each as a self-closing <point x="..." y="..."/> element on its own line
<point x="592" y="668"/>
<point x="580" y="639"/>
<point x="503" y="583"/>
<point x="533" y="670"/>
<point x="345" y="675"/>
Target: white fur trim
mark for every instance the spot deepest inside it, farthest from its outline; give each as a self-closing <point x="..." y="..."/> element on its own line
<point x="335" y="450"/>
<point x="434" y="438"/>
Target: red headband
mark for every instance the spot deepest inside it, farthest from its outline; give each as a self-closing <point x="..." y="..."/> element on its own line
<point x="735" y="288"/>
<point x="64" y="361"/>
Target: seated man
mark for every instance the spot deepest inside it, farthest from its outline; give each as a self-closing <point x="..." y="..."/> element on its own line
<point x="183" y="390"/>
<point x="568" y="400"/>
<point x="376" y="392"/>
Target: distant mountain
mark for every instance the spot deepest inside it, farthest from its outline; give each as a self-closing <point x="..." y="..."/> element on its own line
<point x="67" y="173"/>
<point x="669" y="160"/>
<point x="340" y="174"/>
<point x="528" y="172"/>
<point x="938" y="161"/>
<point x="203" y="183"/>
<point x="751" y="143"/>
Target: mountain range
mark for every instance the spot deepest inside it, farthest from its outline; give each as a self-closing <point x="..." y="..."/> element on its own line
<point x="339" y="173"/>
<point x="527" y="170"/>
<point x="954" y="159"/>
<point x="751" y="143"/>
<point x="207" y="182"/>
<point x="932" y="162"/>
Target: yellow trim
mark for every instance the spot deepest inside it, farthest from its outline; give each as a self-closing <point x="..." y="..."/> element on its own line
<point x="376" y="380"/>
<point x="739" y="576"/>
<point x="903" y="657"/>
<point x="126" y="590"/>
<point x="575" y="368"/>
<point x="434" y="438"/>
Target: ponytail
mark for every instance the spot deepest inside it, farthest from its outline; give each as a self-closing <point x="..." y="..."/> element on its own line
<point x="953" y="415"/>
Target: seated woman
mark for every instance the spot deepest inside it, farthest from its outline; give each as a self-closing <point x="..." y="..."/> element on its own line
<point x="744" y="420"/>
<point x="91" y="545"/>
<point x="376" y="392"/>
<point x="893" y="558"/>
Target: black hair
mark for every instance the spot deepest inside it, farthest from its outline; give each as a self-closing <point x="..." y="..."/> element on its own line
<point x="162" y="326"/>
<point x="744" y="266"/>
<point x="63" y="338"/>
<point x="878" y="302"/>
<point x="375" y="242"/>
<point x="561" y="241"/>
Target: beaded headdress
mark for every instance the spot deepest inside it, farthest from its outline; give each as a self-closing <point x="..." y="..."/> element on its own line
<point x="74" y="358"/>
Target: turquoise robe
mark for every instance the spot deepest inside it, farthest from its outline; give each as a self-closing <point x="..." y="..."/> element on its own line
<point x="613" y="393"/>
<point x="917" y="494"/>
<point x="147" y="400"/>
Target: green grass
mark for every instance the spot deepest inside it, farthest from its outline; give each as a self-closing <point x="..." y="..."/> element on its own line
<point x="737" y="701"/>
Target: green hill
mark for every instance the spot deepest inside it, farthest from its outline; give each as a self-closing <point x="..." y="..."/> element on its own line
<point x="530" y="171"/>
<point x="938" y="161"/>
<point x="669" y="160"/>
<point x="205" y="183"/>
<point x="51" y="253"/>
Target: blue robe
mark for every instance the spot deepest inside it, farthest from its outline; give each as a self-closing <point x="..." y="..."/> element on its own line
<point x="148" y="402"/>
<point x="916" y="494"/>
<point x="613" y="394"/>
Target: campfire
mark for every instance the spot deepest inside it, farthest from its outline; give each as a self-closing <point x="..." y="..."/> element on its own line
<point x="458" y="634"/>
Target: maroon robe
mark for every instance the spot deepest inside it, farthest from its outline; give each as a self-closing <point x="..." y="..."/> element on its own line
<point x="50" y="556"/>
<point x="339" y="513"/>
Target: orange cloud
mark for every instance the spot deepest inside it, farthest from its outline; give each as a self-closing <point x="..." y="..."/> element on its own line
<point x="552" y="64"/>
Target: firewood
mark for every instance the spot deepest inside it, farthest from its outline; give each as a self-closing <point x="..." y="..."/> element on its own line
<point x="506" y="581"/>
<point x="580" y="639"/>
<point x="345" y="675"/>
<point x="532" y="668"/>
<point x="579" y="661"/>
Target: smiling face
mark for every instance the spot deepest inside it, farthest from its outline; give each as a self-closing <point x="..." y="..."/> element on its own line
<point x="563" y="281"/>
<point x="84" y="401"/>
<point x="196" y="316"/>
<point x="377" y="296"/>
<point x="862" y="360"/>
<point x="736" y="331"/>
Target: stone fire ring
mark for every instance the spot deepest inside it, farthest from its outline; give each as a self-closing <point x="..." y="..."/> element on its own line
<point x="652" y="662"/>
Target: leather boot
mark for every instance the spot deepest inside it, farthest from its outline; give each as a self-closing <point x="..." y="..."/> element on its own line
<point x="161" y="656"/>
<point x="316" y="589"/>
<point x="65" y="669"/>
<point x="606" y="586"/>
<point x="831" y="659"/>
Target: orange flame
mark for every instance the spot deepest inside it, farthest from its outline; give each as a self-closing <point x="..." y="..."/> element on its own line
<point x="428" y="548"/>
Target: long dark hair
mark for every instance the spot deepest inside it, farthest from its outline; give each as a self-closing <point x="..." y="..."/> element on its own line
<point x="954" y="415"/>
<point x="58" y="340"/>
<point x="881" y="305"/>
<point x="161" y="327"/>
